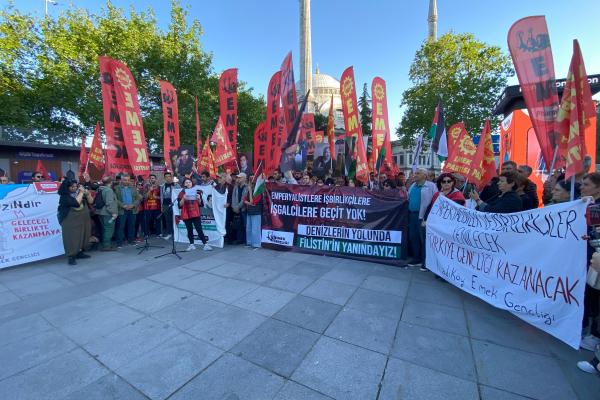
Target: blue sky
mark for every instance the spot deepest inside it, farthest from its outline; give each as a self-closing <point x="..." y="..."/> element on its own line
<point x="377" y="37"/>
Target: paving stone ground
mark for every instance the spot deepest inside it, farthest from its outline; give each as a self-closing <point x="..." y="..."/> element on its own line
<point x="258" y="324"/>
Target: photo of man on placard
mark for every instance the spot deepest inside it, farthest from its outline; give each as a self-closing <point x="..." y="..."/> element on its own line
<point x="185" y="160"/>
<point x="245" y="163"/>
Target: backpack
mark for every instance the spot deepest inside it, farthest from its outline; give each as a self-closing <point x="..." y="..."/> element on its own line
<point x="99" y="200"/>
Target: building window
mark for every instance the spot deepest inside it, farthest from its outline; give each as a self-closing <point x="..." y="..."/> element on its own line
<point x="422" y="159"/>
<point x="410" y="159"/>
<point x="400" y="159"/>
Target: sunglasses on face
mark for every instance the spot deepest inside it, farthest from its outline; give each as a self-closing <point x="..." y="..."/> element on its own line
<point x="446" y="181"/>
<point x="38" y="176"/>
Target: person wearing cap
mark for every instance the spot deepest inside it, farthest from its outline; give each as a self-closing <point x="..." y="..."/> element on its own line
<point x="240" y="190"/>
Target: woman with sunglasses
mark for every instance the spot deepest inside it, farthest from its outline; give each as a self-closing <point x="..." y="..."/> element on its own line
<point x="446" y="183"/>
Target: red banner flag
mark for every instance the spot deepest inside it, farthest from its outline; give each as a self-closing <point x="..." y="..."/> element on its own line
<point x="352" y="124"/>
<point x="228" y="85"/>
<point x="223" y="152"/>
<point x="331" y="131"/>
<point x="308" y="129"/>
<point x="96" y="155"/>
<point x="116" y="152"/>
<point x="170" y="110"/>
<point x="485" y="152"/>
<point x="381" y="131"/>
<point x="462" y="154"/>
<point x="260" y="144"/>
<point x="198" y="140"/>
<point x="42" y="170"/>
<point x="207" y="161"/>
<point x="288" y="94"/>
<point x="83" y="157"/>
<point x="273" y="146"/>
<point x="529" y="45"/>
<point x="576" y="110"/>
<point x="131" y="119"/>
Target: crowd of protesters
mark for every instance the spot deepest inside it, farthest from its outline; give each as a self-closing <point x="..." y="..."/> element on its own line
<point x="125" y="210"/>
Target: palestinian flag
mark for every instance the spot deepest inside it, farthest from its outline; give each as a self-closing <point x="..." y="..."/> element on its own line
<point x="258" y="186"/>
<point x="437" y="133"/>
<point x="380" y="159"/>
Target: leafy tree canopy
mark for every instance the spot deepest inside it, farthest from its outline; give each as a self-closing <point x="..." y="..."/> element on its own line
<point x="49" y="73"/>
<point x="465" y="73"/>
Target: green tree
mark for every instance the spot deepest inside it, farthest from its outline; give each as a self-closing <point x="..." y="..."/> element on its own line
<point x="320" y="122"/>
<point x="366" y="117"/>
<point x="465" y="73"/>
<point x="50" y="74"/>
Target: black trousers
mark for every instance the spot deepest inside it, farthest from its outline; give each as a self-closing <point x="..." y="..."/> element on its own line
<point x="591" y="309"/>
<point x="192" y="223"/>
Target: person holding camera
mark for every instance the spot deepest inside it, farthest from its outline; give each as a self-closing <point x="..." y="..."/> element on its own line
<point x="74" y="219"/>
<point x="107" y="209"/>
<point x="190" y="201"/>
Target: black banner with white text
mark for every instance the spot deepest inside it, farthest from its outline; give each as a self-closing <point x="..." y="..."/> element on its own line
<point x="335" y="221"/>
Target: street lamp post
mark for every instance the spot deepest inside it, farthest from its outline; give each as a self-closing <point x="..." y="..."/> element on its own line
<point x="54" y="3"/>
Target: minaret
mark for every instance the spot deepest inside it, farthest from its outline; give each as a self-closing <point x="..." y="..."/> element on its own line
<point x="432" y="20"/>
<point x="305" y="48"/>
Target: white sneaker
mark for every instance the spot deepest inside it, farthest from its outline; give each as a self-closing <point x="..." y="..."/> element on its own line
<point x="589" y="342"/>
<point x="191" y="247"/>
<point x="585" y="366"/>
<point x="207" y="247"/>
<point x="166" y="237"/>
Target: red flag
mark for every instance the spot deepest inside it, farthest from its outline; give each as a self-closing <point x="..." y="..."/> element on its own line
<point x="42" y="170"/>
<point x="96" y="155"/>
<point x="131" y="119"/>
<point x="207" y="161"/>
<point x="260" y="144"/>
<point x="485" y="152"/>
<point x="198" y="140"/>
<point x="331" y="131"/>
<point x="529" y="45"/>
<point x="170" y="110"/>
<point x="228" y="85"/>
<point x="223" y="152"/>
<point x="116" y="151"/>
<point x="273" y="146"/>
<point x="288" y="94"/>
<point x="351" y="122"/>
<point x="381" y="131"/>
<point x="308" y="129"/>
<point x="576" y="110"/>
<point x="83" y="157"/>
<point x="462" y="154"/>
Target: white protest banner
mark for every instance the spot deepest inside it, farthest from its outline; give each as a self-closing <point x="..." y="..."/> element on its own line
<point x="212" y="216"/>
<point x="531" y="263"/>
<point x="29" y="228"/>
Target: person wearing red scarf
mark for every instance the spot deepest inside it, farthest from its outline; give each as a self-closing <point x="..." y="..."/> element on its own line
<point x="446" y="183"/>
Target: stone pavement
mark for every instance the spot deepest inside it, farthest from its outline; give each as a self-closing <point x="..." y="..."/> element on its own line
<point x="243" y="324"/>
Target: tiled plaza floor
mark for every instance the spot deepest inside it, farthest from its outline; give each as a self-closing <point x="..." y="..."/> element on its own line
<point x="242" y="324"/>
